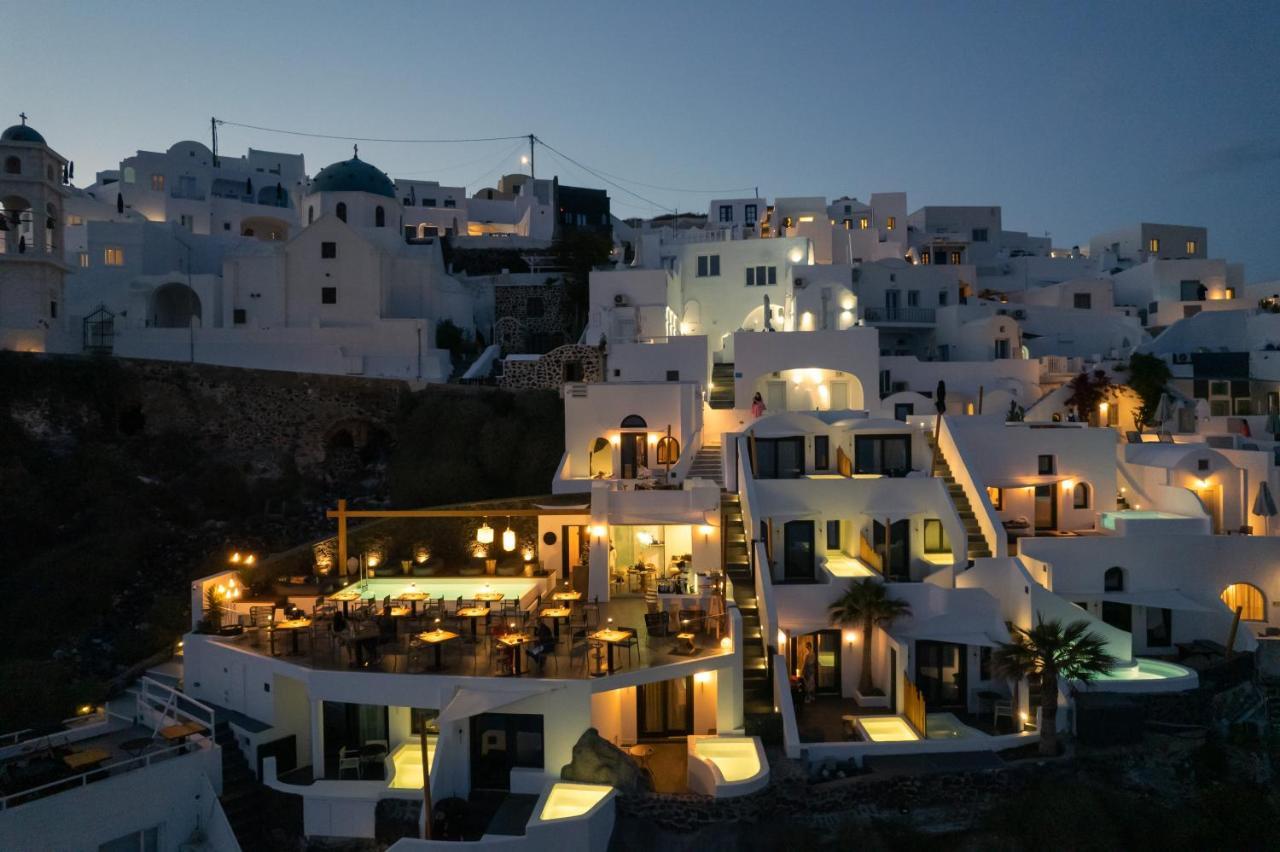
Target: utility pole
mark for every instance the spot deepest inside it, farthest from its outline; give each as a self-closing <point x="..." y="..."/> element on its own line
<point x="532" y="139"/>
<point x="213" y="129"/>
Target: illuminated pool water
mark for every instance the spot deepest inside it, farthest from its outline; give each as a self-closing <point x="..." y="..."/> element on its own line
<point x="1146" y="675"/>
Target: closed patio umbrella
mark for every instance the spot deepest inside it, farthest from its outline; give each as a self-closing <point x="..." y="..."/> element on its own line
<point x="1162" y="412"/>
<point x="1264" y="504"/>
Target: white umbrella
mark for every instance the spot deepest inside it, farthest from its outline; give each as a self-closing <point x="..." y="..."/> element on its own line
<point x="1162" y="411"/>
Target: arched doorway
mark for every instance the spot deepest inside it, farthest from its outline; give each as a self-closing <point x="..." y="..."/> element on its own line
<point x="174" y="305"/>
<point x="600" y="459"/>
<point x="634" y="449"/>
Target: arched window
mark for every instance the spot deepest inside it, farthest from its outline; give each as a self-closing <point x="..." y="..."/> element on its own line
<point x="633" y="421"/>
<point x="12" y="166"/>
<point x="1080" y="496"/>
<point x="379" y="217"/>
<point x="1248" y="599"/>
<point x="668" y="450"/>
<point x="1113" y="580"/>
<point x="342" y="210"/>
<point x="311" y="214"/>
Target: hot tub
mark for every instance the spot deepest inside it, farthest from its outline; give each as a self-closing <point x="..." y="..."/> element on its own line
<point x="1144" y="675"/>
<point x="1151" y="522"/>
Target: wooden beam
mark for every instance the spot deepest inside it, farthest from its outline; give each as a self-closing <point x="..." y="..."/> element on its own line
<point x="341" y="512"/>
<point x="342" y="536"/>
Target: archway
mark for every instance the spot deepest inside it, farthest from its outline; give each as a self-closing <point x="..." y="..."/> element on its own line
<point x="600" y="459"/>
<point x="1248" y="598"/>
<point x="174" y="305"/>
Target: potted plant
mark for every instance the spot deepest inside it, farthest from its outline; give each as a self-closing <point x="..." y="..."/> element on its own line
<point x="865" y="604"/>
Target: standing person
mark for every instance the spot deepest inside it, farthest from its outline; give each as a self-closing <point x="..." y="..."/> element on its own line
<point x="809" y="674"/>
<point x="757" y="406"/>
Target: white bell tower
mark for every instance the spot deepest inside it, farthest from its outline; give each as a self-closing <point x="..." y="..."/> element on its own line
<point x="33" y="268"/>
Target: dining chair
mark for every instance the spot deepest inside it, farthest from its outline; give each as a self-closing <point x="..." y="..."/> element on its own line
<point x="349" y="759"/>
<point x="631" y="643"/>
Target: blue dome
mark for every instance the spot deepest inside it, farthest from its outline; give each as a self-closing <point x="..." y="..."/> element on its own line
<point x="353" y="175"/>
<point x="22" y="133"/>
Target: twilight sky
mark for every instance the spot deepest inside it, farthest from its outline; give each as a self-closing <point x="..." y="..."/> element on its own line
<point x="1076" y="118"/>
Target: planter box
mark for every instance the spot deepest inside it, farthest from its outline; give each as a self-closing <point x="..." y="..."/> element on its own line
<point x="871" y="701"/>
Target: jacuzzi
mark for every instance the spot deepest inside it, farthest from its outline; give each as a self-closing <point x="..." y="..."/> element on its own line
<point x="885" y="729"/>
<point x="1145" y="675"/>
<point x="1151" y="522"/>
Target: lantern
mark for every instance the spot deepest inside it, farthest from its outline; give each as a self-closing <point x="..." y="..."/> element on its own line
<point x="484" y="535"/>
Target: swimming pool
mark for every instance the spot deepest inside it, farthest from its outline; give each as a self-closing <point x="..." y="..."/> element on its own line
<point x="945" y="726"/>
<point x="449" y="588"/>
<point x="1144" y="675"/>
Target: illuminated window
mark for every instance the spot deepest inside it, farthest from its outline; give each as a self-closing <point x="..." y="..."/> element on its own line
<point x="157" y="183"/>
<point x="84" y="259"/>
<point x="113" y="256"/>
<point x="925" y="259"/>
<point x="955" y="258"/>
<point x="1229" y="293"/>
<point x="890" y="222"/>
<point x="1153" y="244"/>
<point x="1191" y="246"/>
<point x="1248" y="599"/>
<point x="996" y="496"/>
<point x="74" y="220"/>
<point x="863" y="223"/>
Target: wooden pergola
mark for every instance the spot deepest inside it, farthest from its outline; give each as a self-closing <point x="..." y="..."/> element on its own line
<point x="342" y="514"/>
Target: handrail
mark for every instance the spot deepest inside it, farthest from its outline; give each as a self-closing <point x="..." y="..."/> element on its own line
<point x="82" y="778"/>
<point x="988" y="521"/>
<point x="761" y="570"/>
<point x="165" y="702"/>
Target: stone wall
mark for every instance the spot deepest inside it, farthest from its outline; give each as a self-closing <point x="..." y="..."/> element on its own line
<point x="539" y="314"/>
<point x="548" y="372"/>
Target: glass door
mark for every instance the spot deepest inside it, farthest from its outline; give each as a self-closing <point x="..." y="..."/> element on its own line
<point x="798" y="550"/>
<point x="828" y="662"/>
<point x="635" y="454"/>
<point x="940" y="674"/>
<point x="501" y="742"/>
<point x="664" y="709"/>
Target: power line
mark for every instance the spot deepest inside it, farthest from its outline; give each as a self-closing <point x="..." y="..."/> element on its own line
<point x="680" y="189"/>
<point x="506" y="157"/>
<point x="368" y="138"/>
<point x="597" y="174"/>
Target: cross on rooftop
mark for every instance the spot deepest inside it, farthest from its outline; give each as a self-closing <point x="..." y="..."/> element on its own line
<point x="355" y="152"/>
<point x="23" y="116"/>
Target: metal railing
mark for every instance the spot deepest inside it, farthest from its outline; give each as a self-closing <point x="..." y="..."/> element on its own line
<point x="22" y="797"/>
<point x="920" y="315"/>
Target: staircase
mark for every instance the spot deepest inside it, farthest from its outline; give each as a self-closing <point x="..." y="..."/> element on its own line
<point x="977" y="543"/>
<point x="721" y="386"/>
<point x="757" y="687"/>
<point x="707" y="464"/>
<point x="242" y="796"/>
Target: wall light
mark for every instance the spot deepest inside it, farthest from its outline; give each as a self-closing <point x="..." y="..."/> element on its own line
<point x="599" y="531"/>
<point x="484" y="535"/>
<point x="701" y="677"/>
<point x="1068" y="484"/>
<point x="782" y="638"/>
<point x="1202" y="483"/>
<point x="851" y="637"/>
<point x="616" y="440"/>
<point x="726" y="644"/>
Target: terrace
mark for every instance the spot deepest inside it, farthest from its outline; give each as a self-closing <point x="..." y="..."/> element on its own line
<point x="152" y="725"/>
<point x="453" y="634"/>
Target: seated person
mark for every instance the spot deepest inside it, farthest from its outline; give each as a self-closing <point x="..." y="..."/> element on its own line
<point x="543" y="643"/>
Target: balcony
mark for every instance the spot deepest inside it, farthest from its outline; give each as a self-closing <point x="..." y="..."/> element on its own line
<point x="900" y="316"/>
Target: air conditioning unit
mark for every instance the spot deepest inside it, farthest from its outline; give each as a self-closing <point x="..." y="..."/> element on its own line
<point x="799" y="283"/>
<point x="1019" y="314"/>
<point x="621" y="300"/>
<point x="1181" y="358"/>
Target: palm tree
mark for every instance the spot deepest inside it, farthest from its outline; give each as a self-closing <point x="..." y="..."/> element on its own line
<point x="866" y="603"/>
<point x="1052" y="651"/>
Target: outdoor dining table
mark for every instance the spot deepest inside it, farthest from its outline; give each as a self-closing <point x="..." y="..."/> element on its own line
<point x="556" y="614"/>
<point x="569" y="597"/>
<point x="474" y="613"/>
<point x="685" y="643"/>
<point x="291" y="626"/>
<point x="413" y="598"/>
<point x="513" y="642"/>
<point x="179" y="733"/>
<point x="610" y="637"/>
<point x="490" y="597"/>
<point x="86" y="759"/>
<point x="345" y="597"/>
<point x="436" y="639"/>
